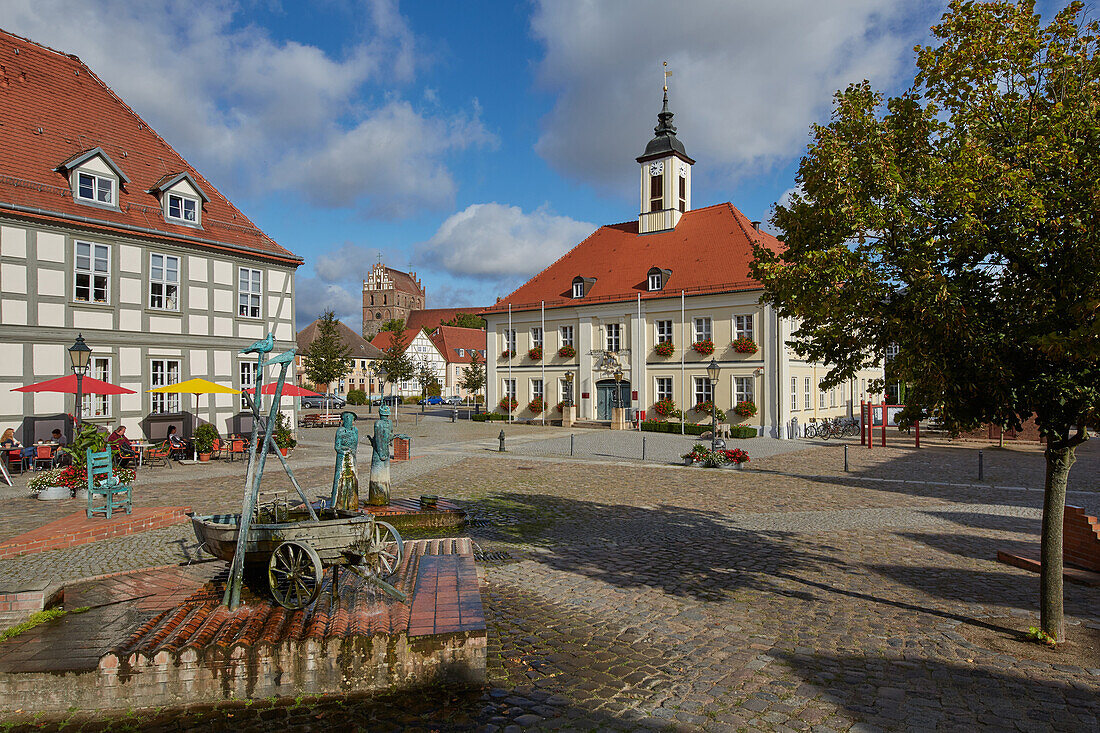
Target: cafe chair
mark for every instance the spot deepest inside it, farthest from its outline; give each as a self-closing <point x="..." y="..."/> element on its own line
<point x="43" y="457"/>
<point x="106" y="492"/>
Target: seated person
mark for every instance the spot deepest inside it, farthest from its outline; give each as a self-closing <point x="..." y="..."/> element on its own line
<point x="8" y="441"/>
<point x="176" y="444"/>
<point x="60" y="457"/>
<point x="121" y="444"/>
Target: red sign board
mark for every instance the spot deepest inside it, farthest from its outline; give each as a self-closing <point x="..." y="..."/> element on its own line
<point x="584" y="395"/>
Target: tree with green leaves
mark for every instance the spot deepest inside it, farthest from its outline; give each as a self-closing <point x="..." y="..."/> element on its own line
<point x="465" y="320"/>
<point x="427" y="379"/>
<point x="473" y="376"/>
<point x="327" y="358"/>
<point x="395" y="326"/>
<point x="396" y="365"/>
<point x="960" y="222"/>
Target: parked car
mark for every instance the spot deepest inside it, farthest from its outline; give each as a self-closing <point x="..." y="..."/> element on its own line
<point x="431" y="401"/>
<point x="321" y="401"/>
<point x="453" y="400"/>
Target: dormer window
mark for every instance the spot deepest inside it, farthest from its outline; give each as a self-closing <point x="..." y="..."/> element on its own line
<point x="578" y="289"/>
<point x="183" y="208"/>
<point x="581" y="286"/>
<point x="655" y="281"/>
<point x="656" y="278"/>
<point x="92" y="187"/>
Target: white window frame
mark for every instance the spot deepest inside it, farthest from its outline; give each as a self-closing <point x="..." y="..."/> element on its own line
<point x="794" y="394"/>
<point x="97" y="406"/>
<point x="820" y="398"/>
<point x="509" y="337"/>
<point x="655" y="282"/>
<point x="807" y="391"/>
<point x="742" y="327"/>
<point x="703" y="328"/>
<point x="566" y="335"/>
<point x="509" y="387"/>
<point x="246" y="373"/>
<point x="164" y="282"/>
<point x="537" y="389"/>
<point x="164" y="404"/>
<point x="613" y="343"/>
<point x="662" y="387"/>
<point x="703" y="390"/>
<point x="578" y="290"/>
<point x="563" y="389"/>
<point x="253" y="291"/>
<point x="664" y="325"/>
<point x="97" y="181"/>
<point x="744" y="389"/>
<point x="94" y="250"/>
<point x="536" y="336"/>
<point x="832" y="397"/>
<point x="182" y="202"/>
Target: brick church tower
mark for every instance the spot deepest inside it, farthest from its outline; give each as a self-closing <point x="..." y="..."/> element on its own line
<point x="388" y="294"/>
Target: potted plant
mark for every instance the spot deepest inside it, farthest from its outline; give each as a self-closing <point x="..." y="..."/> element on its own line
<point x="708" y="408"/>
<point x="567" y="352"/>
<point x="745" y="408"/>
<point x="535" y="354"/>
<point x="697" y="453"/>
<point x="507" y="354"/>
<point x="665" y="348"/>
<point x="63" y="483"/>
<point x="205" y="435"/>
<point x="508" y="405"/>
<point x="664" y="407"/>
<point x="704" y="347"/>
<point x="282" y="436"/>
<point x="745" y="345"/>
<point x="561" y="407"/>
<point x="536" y="406"/>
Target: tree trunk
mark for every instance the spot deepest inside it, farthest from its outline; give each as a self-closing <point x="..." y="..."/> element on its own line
<point x="1059" y="458"/>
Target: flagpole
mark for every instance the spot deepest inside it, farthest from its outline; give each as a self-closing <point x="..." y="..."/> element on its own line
<point x="683" y="348"/>
<point x="508" y="343"/>
<point x="543" y="362"/>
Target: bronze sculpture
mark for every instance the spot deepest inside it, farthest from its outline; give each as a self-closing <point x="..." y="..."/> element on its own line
<point x="345" y="480"/>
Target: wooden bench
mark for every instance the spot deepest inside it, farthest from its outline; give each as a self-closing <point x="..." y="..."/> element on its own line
<point x="319" y="421"/>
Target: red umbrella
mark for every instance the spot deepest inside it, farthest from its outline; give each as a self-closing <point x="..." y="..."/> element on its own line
<point x="67" y="385"/>
<point x="289" y="390"/>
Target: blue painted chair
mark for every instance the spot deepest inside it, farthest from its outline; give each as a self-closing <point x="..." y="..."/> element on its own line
<point x="105" y="492"/>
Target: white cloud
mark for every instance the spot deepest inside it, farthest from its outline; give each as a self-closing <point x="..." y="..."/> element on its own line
<point x="749" y="77"/>
<point x="313" y="296"/>
<point x="243" y="107"/>
<point x="497" y="241"/>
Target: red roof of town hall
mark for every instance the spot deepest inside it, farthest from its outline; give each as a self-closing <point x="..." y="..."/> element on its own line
<point x="53" y="110"/>
<point x="450" y="339"/>
<point x="709" y="251"/>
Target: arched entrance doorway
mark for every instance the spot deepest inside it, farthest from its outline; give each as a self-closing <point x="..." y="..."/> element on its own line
<point x="605" y="397"/>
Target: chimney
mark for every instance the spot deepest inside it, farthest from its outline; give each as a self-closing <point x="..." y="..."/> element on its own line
<point x="756" y="225"/>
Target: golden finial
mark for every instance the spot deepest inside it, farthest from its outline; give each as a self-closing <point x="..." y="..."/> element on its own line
<point x="667" y="75"/>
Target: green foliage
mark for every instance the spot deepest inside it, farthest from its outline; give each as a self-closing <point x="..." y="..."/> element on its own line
<point x="466" y="320"/>
<point x="395" y="326"/>
<point x="282" y="435"/>
<point x="473" y="376"/>
<point x="429" y="382"/>
<point x="87" y="438"/>
<point x="742" y="432"/>
<point x="327" y="358"/>
<point x="489" y="417"/>
<point x="36" y="619"/>
<point x="1034" y="633"/>
<point x="396" y="365"/>
<point x="357" y="397"/>
<point x="661" y="426"/>
<point x="205" y="435"/>
<point x="708" y="408"/>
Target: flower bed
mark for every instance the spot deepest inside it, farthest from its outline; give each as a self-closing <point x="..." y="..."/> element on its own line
<point x="704" y="347"/>
<point x="72" y="478"/>
<point x="745" y="408"/>
<point x="699" y="453"/>
<point x="535" y="354"/>
<point x="745" y="345"/>
<point x="665" y="348"/>
<point x="567" y="352"/>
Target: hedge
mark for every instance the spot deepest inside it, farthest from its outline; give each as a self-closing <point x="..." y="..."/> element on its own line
<point x="742" y="431"/>
<point x="489" y="417"/>
<point x="654" y="426"/>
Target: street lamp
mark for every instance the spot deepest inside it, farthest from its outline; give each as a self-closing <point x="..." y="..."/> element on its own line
<point x="618" y="390"/>
<point x="713" y="370"/>
<point x="80" y="355"/>
<point x="569" y="389"/>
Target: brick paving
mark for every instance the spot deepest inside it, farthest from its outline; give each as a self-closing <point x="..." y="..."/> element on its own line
<point x="622" y="596"/>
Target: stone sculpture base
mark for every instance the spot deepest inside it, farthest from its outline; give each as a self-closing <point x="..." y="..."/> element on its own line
<point x="568" y="416"/>
<point x="378" y="493"/>
<point x="618" y="418"/>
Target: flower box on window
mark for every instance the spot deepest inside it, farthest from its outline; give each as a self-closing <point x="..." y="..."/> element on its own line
<point x="561" y="407"/>
<point x="708" y="408"/>
<point x="536" y="406"/>
<point x="507" y="354"/>
<point x="535" y="354"/>
<point x="665" y="348"/>
<point x="664" y="408"/>
<point x="508" y="405"/>
<point x="704" y="347"/>
<point x="745" y="408"/>
<point x="745" y="345"/>
<point x="567" y="352"/>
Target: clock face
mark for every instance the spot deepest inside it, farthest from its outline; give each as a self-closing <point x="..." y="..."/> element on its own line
<point x="657" y="168"/>
<point x="683" y="170"/>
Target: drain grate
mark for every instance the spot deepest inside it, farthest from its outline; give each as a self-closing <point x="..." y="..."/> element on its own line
<point x="492" y="557"/>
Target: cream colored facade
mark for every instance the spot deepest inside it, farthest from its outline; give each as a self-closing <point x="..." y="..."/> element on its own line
<point x="766" y="376"/>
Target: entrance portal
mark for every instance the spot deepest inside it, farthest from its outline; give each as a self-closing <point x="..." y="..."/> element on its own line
<point x="605" y="397"/>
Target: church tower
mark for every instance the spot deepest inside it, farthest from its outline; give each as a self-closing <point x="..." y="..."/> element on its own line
<point x="665" y="177"/>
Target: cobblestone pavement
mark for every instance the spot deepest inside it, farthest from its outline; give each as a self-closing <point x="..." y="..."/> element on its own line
<point x="622" y="596"/>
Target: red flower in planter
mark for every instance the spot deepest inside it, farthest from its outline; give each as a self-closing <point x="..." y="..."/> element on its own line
<point x="507" y="354"/>
<point x="536" y="406"/>
<point x="704" y="347"/>
<point x="665" y="348"/>
<point x="508" y="405"/>
<point x="745" y="408"/>
<point x="567" y="352"/>
<point x="745" y="345"/>
<point x="535" y="354"/>
<point x="664" y="408"/>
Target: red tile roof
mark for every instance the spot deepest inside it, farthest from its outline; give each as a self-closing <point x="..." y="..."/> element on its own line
<point x="384" y="339"/>
<point x="431" y="318"/>
<point x="709" y="251"/>
<point x="52" y="109"/>
<point x="449" y="339"/>
<point x="359" y="347"/>
<point x="405" y="281"/>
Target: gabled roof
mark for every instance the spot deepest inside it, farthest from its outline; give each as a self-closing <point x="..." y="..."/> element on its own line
<point x="709" y="251"/>
<point x="431" y="318"/>
<point x="80" y="158"/>
<point x="53" y="110"/>
<point x="384" y="339"/>
<point x="404" y="281"/>
<point x="171" y="179"/>
<point x="449" y="339"/>
<point x="359" y="347"/>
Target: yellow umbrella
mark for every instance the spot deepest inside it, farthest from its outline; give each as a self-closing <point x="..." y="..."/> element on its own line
<point x="196" y="386"/>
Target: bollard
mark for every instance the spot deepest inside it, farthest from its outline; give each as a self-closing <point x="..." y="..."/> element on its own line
<point x="643" y="447"/>
<point x="846" y="458"/>
<point x="981" y="466"/>
<point x="454" y="415"/>
<point x="501" y="439"/>
<point x="571" y="444"/>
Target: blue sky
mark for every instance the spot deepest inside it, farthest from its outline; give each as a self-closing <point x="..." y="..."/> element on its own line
<point x="473" y="142"/>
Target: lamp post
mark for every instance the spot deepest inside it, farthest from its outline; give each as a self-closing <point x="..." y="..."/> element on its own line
<point x="569" y="389"/>
<point x="713" y="370"/>
<point x="80" y="355"/>
<point x="618" y="391"/>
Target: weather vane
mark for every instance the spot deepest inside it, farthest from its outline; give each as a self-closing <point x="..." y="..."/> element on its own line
<point x="667" y="75"/>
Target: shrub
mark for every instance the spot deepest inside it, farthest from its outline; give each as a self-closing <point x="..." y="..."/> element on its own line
<point x="747" y="408"/>
<point x="489" y="417"/>
<point x="567" y="352"/>
<point x="665" y="407"/>
<point x="508" y="405"/>
<point x="663" y="426"/>
<point x="205" y="435"/>
<point x="281" y="435"/>
<point x="357" y="397"/>
<point x="742" y="431"/>
<point x="715" y="458"/>
<point x="536" y="405"/>
<point x="745" y="345"/>
<point x="665" y="348"/>
<point x="704" y="347"/>
<point x="535" y="354"/>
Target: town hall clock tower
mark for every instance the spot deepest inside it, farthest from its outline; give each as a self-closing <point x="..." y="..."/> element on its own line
<point x="665" y="177"/>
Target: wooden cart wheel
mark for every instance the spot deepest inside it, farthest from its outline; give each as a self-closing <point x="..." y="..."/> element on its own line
<point x="383" y="550"/>
<point x="294" y="575"/>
